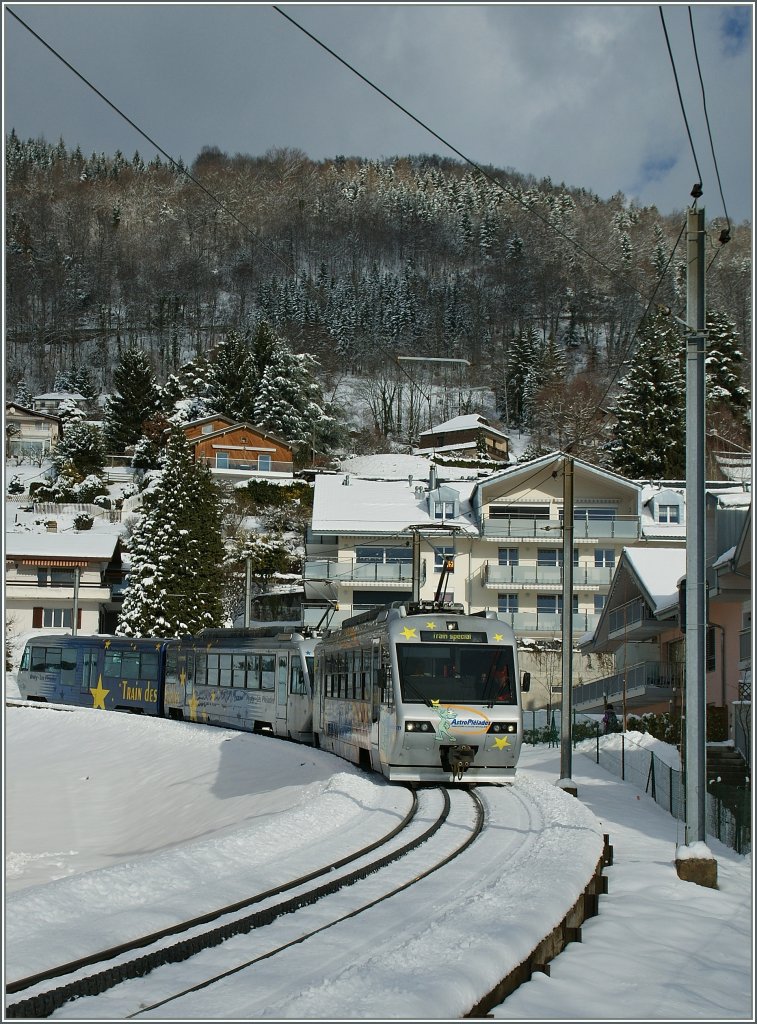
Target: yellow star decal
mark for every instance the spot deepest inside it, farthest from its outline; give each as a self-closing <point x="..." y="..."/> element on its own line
<point x="99" y="694"/>
<point x="409" y="634"/>
<point x="501" y="742"/>
<point x="106" y="645"/>
<point x="183" y="677"/>
<point x="497" y="636"/>
<point x="430" y="625"/>
<point x="192" y="702"/>
<point x="212" y="696"/>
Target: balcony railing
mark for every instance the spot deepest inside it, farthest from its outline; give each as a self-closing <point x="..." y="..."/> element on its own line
<point x="648" y="680"/>
<point x="525" y="623"/>
<point x="545" y="575"/>
<point x="348" y="571"/>
<point x="629" y="617"/>
<point x="620" y="528"/>
<point x="249" y="465"/>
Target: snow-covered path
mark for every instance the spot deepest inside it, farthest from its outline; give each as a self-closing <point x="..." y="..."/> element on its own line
<point x="129" y="821"/>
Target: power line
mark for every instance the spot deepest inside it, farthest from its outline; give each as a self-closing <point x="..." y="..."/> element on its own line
<point x="725" y="236"/>
<point x="511" y="194"/>
<point x="157" y="146"/>
<point x="697" y="190"/>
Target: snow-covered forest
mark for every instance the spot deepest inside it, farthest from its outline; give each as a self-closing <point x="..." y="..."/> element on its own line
<point x="541" y="287"/>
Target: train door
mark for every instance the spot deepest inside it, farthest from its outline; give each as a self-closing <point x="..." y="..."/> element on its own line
<point x="282" y="675"/>
<point x="89" y="671"/>
<point x="376" y="683"/>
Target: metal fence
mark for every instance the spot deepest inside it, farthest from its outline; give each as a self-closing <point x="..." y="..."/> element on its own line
<point x="728" y="809"/>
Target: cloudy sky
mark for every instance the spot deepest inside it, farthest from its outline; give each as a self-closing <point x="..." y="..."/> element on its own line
<point x="582" y="93"/>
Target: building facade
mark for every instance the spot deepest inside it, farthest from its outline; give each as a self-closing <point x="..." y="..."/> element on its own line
<point x="239" y="451"/>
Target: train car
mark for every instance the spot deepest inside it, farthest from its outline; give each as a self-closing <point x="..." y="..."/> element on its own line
<point x="422" y="693"/>
<point x="257" y="680"/>
<point x="107" y="672"/>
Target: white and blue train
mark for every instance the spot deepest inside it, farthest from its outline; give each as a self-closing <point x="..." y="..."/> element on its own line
<point x="421" y="694"/>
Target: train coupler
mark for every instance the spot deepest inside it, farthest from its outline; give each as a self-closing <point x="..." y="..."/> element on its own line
<point x="460" y="760"/>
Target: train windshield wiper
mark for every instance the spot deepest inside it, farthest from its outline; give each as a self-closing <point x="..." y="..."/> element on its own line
<point x="418" y="692"/>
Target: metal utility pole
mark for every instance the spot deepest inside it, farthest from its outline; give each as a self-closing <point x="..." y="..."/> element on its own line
<point x="247" y="588"/>
<point x="77" y="577"/>
<point x="696" y="601"/>
<point x="566" y="714"/>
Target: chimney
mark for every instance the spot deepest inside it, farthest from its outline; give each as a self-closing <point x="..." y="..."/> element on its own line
<point x="346" y="481"/>
<point x="410" y="480"/>
<point x="432" y="480"/>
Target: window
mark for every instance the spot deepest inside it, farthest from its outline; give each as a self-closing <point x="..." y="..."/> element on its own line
<point x="267" y="671"/>
<point x="592" y="512"/>
<point x="554" y="556"/>
<point x="57" y="617"/>
<point x="380" y="555"/>
<point x="444" y="510"/>
<point x="507" y="556"/>
<point x="668" y="513"/>
<point x="519" y="511"/>
<point x="264" y="463"/>
<point x="507" y="603"/>
<point x="600" y="600"/>
<point x="440" y="554"/>
<point x="551" y="604"/>
<point x="55" y="577"/>
<point x="207" y="428"/>
<point x="222" y="460"/>
<point x="604" y="558"/>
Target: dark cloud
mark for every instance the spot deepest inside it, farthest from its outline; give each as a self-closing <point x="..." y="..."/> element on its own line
<point x="582" y="93"/>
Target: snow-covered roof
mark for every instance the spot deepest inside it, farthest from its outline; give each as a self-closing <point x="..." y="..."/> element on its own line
<point x="468" y="422"/>
<point x="734" y="499"/>
<point x="81" y="545"/>
<point x="59" y="396"/>
<point x="658" y="571"/>
<point x="398" y="466"/>
<point x="346" y="504"/>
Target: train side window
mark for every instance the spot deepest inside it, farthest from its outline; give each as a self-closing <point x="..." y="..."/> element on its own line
<point x="68" y="667"/>
<point x="296" y="677"/>
<point x="45" y="659"/>
<point x="112" y="665"/>
<point x="89" y="669"/>
<point x="238" y="670"/>
<point x="130" y="665"/>
<point x="253" y="671"/>
<point x="224" y="669"/>
<point x="149" y="665"/>
<point x="201" y="668"/>
<point x="267" y="671"/>
<point x="213" y="669"/>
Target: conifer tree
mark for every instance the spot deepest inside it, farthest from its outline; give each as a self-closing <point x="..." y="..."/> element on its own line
<point x="176" y="581"/>
<point x="133" y="400"/>
<point x="23" y="395"/>
<point x="289" y="400"/>
<point x="232" y="378"/>
<point x="649" y="434"/>
<point x="723" y="364"/>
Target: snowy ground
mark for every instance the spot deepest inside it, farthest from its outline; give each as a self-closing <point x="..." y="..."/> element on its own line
<point x="124" y="817"/>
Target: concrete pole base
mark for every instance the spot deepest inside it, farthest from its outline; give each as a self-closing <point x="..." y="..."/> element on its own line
<point x="701" y="871"/>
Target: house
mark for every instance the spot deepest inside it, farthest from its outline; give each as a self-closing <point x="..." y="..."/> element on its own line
<point x="465" y="436"/>
<point x="51" y="401"/>
<point x="28" y="432"/>
<point x="239" y="451"/>
<point x="54" y="580"/>
<point x="375" y="541"/>
<point x="640" y="626"/>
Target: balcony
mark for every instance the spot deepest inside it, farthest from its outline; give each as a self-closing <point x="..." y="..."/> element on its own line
<point x="264" y="468"/>
<point x="623" y="528"/>
<point x="585" y="577"/>
<point x="530" y="623"/>
<point x="645" y="683"/>
<point x="633" y="620"/>
<point x="348" y="572"/>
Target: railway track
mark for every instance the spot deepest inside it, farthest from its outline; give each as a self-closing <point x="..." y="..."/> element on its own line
<point x="264" y="925"/>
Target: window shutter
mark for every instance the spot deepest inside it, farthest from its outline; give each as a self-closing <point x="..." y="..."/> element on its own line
<point x="78" y="618"/>
<point x="36" y="618"/>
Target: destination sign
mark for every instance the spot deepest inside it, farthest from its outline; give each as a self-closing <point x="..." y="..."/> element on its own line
<point x="434" y="636"/>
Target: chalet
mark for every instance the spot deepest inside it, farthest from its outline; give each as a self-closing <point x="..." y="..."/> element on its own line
<point x="51" y="401"/>
<point x="239" y="451"/>
<point x="467" y="437"/>
<point x="29" y="432"/>
<point x="56" y="581"/>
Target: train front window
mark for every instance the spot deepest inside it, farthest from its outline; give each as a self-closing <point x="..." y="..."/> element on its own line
<point x="456" y="673"/>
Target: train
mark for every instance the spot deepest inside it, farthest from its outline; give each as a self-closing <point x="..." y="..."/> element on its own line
<point x="420" y="693"/>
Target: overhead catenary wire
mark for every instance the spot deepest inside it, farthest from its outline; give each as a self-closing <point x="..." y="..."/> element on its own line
<point x="175" y="163"/>
<point x="683" y="108"/>
<point x="725" y="236"/>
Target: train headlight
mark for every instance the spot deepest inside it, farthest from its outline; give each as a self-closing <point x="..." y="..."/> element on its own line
<point x="509" y="727"/>
<point x="418" y="727"/>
